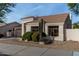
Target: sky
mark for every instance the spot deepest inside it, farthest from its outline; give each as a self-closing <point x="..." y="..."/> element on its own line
<point x="37" y="9"/>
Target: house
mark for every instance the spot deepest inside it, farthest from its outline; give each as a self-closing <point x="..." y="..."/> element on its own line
<point x="10" y="29"/>
<point x="2" y="24"/>
<point x="54" y="25"/>
<point x="17" y="31"/>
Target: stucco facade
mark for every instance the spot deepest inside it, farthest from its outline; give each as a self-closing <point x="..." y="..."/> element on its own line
<point x="24" y="21"/>
<point x="28" y="26"/>
<point x="63" y="22"/>
<point x="60" y="37"/>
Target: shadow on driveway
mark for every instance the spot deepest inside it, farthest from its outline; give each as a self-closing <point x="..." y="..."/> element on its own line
<point x="1" y="54"/>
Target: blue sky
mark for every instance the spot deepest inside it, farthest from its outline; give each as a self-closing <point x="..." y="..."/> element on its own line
<point x="32" y="9"/>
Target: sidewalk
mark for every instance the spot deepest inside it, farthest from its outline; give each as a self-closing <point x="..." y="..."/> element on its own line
<point x="17" y="50"/>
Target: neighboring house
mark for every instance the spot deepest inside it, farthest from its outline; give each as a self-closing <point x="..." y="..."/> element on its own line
<point x="9" y="30"/>
<point x="54" y="25"/>
<point x="2" y="24"/>
<point x="18" y="31"/>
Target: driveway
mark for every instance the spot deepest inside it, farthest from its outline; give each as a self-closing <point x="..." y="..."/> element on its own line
<point x="17" y="50"/>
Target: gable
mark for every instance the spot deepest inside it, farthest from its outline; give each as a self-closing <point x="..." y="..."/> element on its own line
<point x="51" y="18"/>
<point x="55" y="18"/>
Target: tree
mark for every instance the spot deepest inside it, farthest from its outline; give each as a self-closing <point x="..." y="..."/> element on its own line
<point x="41" y="28"/>
<point x="4" y="9"/>
<point x="76" y="25"/>
<point x="74" y="7"/>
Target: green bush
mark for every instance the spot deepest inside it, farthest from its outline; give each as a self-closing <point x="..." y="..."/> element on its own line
<point x="27" y="36"/>
<point x="43" y="34"/>
<point x="35" y="37"/>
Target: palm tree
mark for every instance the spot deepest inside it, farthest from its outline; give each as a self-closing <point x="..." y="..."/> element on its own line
<point x="74" y="7"/>
<point x="4" y="9"/>
<point x="40" y="29"/>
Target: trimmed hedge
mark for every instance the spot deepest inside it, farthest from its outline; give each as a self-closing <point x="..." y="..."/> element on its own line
<point x="27" y="36"/>
<point x="35" y="36"/>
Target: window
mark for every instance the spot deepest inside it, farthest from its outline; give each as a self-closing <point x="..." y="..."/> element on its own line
<point x="34" y="28"/>
<point x="53" y="30"/>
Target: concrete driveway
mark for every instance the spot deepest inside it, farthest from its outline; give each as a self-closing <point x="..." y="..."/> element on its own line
<point x="17" y="50"/>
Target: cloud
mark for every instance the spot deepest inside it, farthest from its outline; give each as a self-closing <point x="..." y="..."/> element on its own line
<point x="45" y="9"/>
<point x="36" y="9"/>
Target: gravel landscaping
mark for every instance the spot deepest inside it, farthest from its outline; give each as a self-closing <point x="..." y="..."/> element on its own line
<point x="67" y="45"/>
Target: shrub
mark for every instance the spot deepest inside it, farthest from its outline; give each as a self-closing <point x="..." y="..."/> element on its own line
<point x="43" y="34"/>
<point x="1" y="35"/>
<point x="27" y="36"/>
<point x="35" y="37"/>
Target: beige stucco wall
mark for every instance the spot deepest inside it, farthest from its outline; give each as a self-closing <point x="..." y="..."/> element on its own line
<point x="25" y="21"/>
<point x="61" y="34"/>
<point x="28" y="26"/>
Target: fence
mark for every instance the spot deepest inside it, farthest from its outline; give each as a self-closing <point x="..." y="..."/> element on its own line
<point x="72" y="34"/>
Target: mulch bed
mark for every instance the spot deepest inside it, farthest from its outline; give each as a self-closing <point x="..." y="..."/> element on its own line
<point x="67" y="45"/>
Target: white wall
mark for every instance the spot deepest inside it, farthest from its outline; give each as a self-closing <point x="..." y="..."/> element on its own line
<point x="61" y="34"/>
<point x="72" y="34"/>
<point x="27" y="20"/>
<point x="28" y="26"/>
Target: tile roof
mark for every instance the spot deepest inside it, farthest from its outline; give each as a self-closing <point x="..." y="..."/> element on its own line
<point x="52" y="18"/>
<point x="16" y="23"/>
<point x="55" y="18"/>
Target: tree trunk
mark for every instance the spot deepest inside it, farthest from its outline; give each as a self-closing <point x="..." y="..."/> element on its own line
<point x="40" y="29"/>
